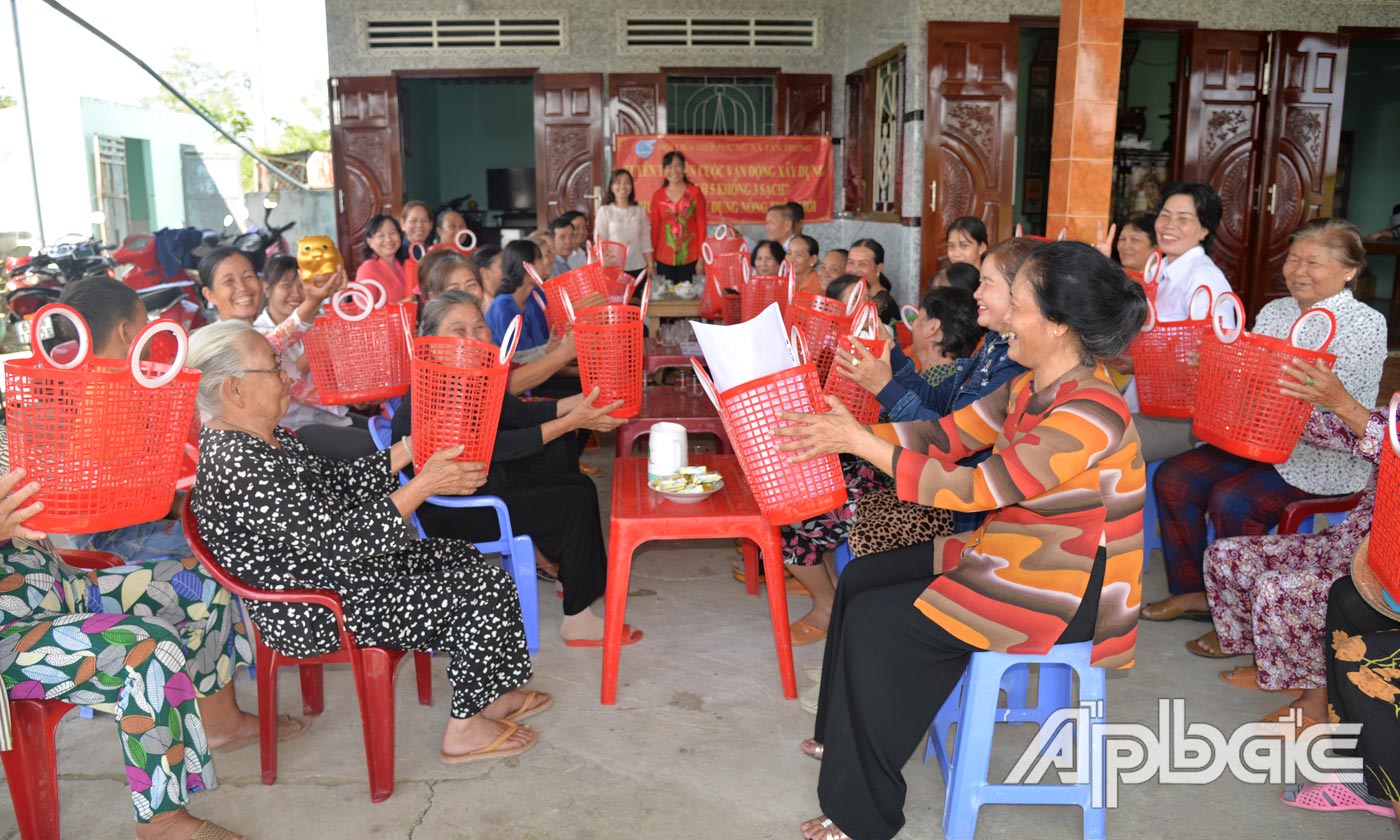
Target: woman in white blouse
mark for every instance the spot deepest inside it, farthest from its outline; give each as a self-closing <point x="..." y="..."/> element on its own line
<point x="1186" y="222"/>
<point x="1244" y="497"/>
<point x="622" y="219"/>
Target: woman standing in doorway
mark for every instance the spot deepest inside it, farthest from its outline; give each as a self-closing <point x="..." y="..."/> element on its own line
<point x="677" y="222"/>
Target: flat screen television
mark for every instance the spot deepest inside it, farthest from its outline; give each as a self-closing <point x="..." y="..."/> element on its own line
<point x="510" y="189"/>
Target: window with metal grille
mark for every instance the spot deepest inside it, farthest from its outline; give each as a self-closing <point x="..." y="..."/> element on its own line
<point x="719" y="105"/>
<point x="476" y="33"/>
<point x="670" y="32"/>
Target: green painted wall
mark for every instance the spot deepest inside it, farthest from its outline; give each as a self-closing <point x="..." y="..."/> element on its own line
<point x="140" y="196"/>
<point x="456" y="129"/>
<point x="1372" y="114"/>
<point x="1149" y="81"/>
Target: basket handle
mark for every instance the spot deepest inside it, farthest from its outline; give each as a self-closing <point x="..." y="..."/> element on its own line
<point x="866" y="323"/>
<point x="1152" y="269"/>
<point x="1217" y="318"/>
<point x="798" y="347"/>
<point x="1063" y="235"/>
<point x="568" y="304"/>
<point x="510" y="340"/>
<point x="372" y="284"/>
<point x="908" y="313"/>
<point x="705" y="382"/>
<point x="855" y="296"/>
<point x="81" y="327"/>
<point x="1151" y="321"/>
<point x="646" y="298"/>
<point x="1297" y="332"/>
<point x="636" y="281"/>
<point x="530" y="270"/>
<point x="721" y="231"/>
<point x="747" y="270"/>
<point x="1394" y="437"/>
<point x="458" y="240"/>
<point x="1019" y="232"/>
<point x="707" y="253"/>
<point x="182" y="349"/>
<point x="416" y="250"/>
<point x="362" y="296"/>
<point x="784" y="269"/>
<point x="1210" y="301"/>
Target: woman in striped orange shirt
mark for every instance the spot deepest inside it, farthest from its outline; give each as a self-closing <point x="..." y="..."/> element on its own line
<point x="1057" y="560"/>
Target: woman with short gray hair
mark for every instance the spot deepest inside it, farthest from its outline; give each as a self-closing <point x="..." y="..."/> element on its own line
<point x="277" y="517"/>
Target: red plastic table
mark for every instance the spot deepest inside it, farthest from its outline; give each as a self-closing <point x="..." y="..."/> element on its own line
<point x="640" y="515"/>
<point x="674" y="404"/>
<point x="657" y="355"/>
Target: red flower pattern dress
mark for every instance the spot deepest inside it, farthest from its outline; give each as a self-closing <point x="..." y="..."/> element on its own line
<point x="677" y="227"/>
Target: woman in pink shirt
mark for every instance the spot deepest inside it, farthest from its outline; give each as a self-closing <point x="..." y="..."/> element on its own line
<point x="385" y="253"/>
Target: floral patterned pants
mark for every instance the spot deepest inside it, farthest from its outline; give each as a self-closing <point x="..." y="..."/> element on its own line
<point x="1268" y="596"/>
<point x="806" y="541"/>
<point x="116" y="639"/>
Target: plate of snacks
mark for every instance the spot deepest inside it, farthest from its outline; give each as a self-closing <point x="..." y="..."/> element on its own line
<point x="688" y="484"/>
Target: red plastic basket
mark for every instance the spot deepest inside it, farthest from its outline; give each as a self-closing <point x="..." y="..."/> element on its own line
<point x="361" y="354"/>
<point x="760" y="291"/>
<point x="458" y="386"/>
<point x="586" y="286"/>
<point x="1239" y="407"/>
<point x="733" y="308"/>
<point x="621" y="285"/>
<point x="785" y="492"/>
<point x="822" y="327"/>
<point x="1162" y="363"/>
<point x="609" y="341"/>
<point x="1150" y="275"/>
<point x="1384" y="556"/>
<point x="611" y="254"/>
<point x="861" y="403"/>
<point x="726" y="270"/>
<point x="103" y="437"/>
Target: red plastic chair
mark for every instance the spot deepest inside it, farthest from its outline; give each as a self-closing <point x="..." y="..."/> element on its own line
<point x="1299" y="514"/>
<point x="373" y="667"/>
<point x="31" y="766"/>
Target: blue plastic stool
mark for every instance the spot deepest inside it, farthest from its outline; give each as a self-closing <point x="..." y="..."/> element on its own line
<point x="517" y="552"/>
<point x="843" y="556"/>
<point x="973" y="708"/>
<point x="1151" y="538"/>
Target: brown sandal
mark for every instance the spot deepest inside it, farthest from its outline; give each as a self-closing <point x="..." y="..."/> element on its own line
<point x="288" y="728"/>
<point x="1209" y="647"/>
<point x="491" y="752"/>
<point x="530" y="707"/>
<point x="1247" y="676"/>
<point x="213" y="831"/>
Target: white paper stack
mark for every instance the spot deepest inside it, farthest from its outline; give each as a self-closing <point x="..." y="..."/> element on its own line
<point x="741" y="353"/>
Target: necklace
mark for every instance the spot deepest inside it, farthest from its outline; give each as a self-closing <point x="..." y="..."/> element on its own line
<point x="244" y="429"/>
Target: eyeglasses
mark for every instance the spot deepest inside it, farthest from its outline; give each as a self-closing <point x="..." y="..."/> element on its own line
<point x="276" y="360"/>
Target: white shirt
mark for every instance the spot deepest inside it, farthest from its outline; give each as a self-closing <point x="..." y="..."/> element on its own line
<point x="1179" y="280"/>
<point x="1360" y="348"/>
<point x="300" y="414"/>
<point x="578" y="258"/>
<point x="630" y="226"/>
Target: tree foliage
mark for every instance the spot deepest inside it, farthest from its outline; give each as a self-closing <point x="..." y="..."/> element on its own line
<point x="219" y="93"/>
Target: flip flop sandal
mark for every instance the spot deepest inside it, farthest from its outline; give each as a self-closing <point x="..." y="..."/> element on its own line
<point x="816" y="752"/>
<point x="813" y="671"/>
<point x="1164" y="611"/>
<point x="1209" y="651"/>
<point x="529" y="708"/>
<point x="212" y="831"/>
<point x="805" y="634"/>
<point x="1334" y="796"/>
<point x="832" y="832"/>
<point x="541" y="573"/>
<point x="629" y="636"/>
<point x="1247" y="676"/>
<point x="1284" y="714"/>
<point x="490" y="752"/>
<point x="288" y="728"/>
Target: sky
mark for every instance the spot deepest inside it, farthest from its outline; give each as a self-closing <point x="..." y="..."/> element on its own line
<point x="278" y="45"/>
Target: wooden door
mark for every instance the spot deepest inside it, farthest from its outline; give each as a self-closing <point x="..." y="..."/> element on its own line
<point x="637" y="103"/>
<point x="367" y="156"/>
<point x="970" y="137"/>
<point x="1299" y="160"/>
<point x="1222" y="120"/>
<point x="855" y="142"/>
<point x="804" y="103"/>
<point x="568" y="143"/>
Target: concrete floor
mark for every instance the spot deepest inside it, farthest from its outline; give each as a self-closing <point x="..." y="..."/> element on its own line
<point x="700" y="744"/>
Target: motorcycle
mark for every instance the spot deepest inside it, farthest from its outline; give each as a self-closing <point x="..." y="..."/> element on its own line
<point x="172" y="301"/>
<point x="261" y="242"/>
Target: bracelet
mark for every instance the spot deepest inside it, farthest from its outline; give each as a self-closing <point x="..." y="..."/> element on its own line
<point x="406" y="447"/>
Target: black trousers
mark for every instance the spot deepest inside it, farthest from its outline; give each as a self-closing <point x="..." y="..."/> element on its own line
<point x="677" y="273"/>
<point x="1378" y="648"/>
<point x="886" y="672"/>
<point x="554" y="504"/>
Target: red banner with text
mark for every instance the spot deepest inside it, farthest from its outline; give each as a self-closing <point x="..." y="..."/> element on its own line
<point x="741" y="177"/>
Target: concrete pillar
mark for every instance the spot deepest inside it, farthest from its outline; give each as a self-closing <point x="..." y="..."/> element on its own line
<point x="1086" y="114"/>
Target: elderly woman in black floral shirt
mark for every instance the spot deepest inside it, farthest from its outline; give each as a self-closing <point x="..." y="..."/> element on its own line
<point x="280" y="517"/>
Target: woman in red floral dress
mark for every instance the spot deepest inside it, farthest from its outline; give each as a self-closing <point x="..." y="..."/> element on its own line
<point x="677" y="222"/>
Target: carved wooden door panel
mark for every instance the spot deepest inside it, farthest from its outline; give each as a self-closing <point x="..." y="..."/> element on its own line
<point x="854" y="144"/>
<point x="1222" y="116"/>
<point x="367" y="156"/>
<point x="804" y="103"/>
<point x="969" y="144"/>
<point x="637" y="103"/>
<point x="568" y="143"/>
<point x="1300" y="149"/>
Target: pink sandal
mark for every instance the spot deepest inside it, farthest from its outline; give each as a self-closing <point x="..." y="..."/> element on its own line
<point x="1333" y="796"/>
